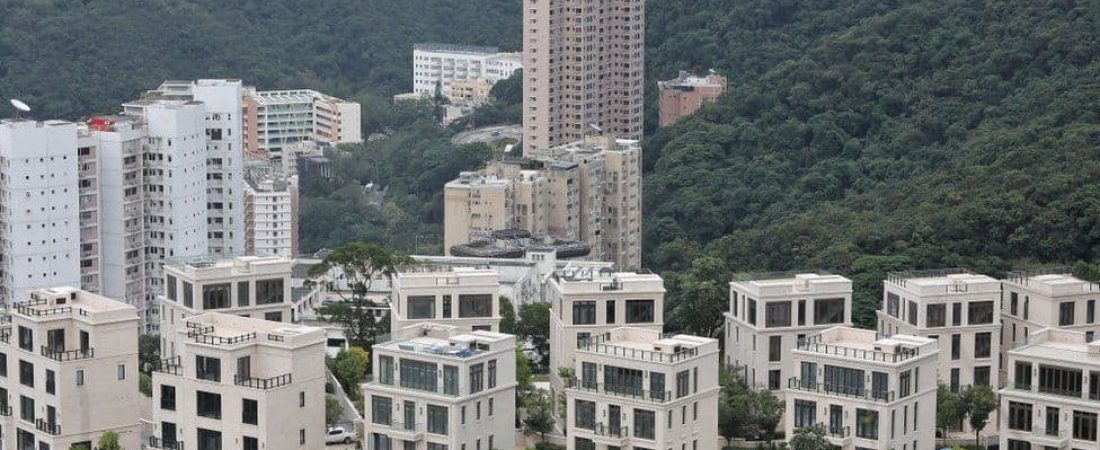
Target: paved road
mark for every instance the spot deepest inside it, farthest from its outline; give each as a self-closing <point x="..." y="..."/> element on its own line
<point x="488" y="134"/>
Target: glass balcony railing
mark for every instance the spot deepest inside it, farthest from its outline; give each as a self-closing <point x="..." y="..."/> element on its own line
<point x="840" y="391"/>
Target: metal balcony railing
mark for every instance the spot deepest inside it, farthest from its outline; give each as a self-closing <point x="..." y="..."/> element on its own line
<point x="1072" y="393"/>
<point x="48" y="427"/>
<point x="68" y="355"/>
<point x="168" y="365"/>
<point x="5" y="410"/>
<point x="840" y="391"/>
<point x="155" y="442"/>
<point x="621" y="391"/>
<point x="263" y="383"/>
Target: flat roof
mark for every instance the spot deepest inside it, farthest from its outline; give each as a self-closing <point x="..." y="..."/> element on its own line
<point x="455" y="48"/>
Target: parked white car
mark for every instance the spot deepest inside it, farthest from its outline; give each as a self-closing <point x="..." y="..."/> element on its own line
<point x="338" y="435"/>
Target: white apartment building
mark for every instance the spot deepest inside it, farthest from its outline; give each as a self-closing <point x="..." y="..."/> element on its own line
<point x="247" y="286"/>
<point x="521" y="279"/>
<point x="569" y="87"/>
<point x="958" y="308"/>
<point x="467" y="298"/>
<point x="769" y="314"/>
<point x="443" y="64"/>
<point x="634" y="388"/>
<point x="270" y="213"/>
<point x="240" y="383"/>
<point x="438" y="388"/>
<point x="1048" y="298"/>
<point x="865" y="392"/>
<point x="74" y="371"/>
<point x="111" y="152"/>
<point x="587" y="302"/>
<point x="1053" y="398"/>
<point x="40" y="226"/>
<point x="276" y="120"/>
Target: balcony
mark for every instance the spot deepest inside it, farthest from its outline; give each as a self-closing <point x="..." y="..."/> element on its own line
<point x="838" y="436"/>
<point x="620" y="391"/>
<point x="5" y="410"/>
<point x="412" y="432"/>
<point x="155" y="442"/>
<point x="605" y="434"/>
<point x="68" y="355"/>
<point x="1070" y="393"/>
<point x="170" y="366"/>
<point x="263" y="383"/>
<point x="840" y="391"/>
<point x="1041" y="437"/>
<point x="47" y="427"/>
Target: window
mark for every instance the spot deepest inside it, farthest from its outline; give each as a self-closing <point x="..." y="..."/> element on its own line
<point x="3" y="364"/>
<point x="207" y="368"/>
<point x="385" y="370"/>
<point x="242" y="293"/>
<point x="866" y="424"/>
<point x="269" y="291"/>
<point x="51" y="382"/>
<point x="477" y="378"/>
<point x="982" y="344"/>
<point x="828" y="310"/>
<point x="418" y="375"/>
<point x="1023" y="375"/>
<point x="121" y="371"/>
<point x="209" y="439"/>
<point x="750" y="310"/>
<point x="1014" y="301"/>
<point x="188" y="295"/>
<point x="250" y="443"/>
<point x="622" y="380"/>
<point x="609" y="311"/>
<point x="805" y="414"/>
<point x="584" y="444"/>
<point x="167" y="433"/>
<point x="584" y="312"/>
<point x="276" y="316"/>
<point x="208" y="404"/>
<point x="492" y="374"/>
<point x="1052" y="426"/>
<point x="937" y="315"/>
<point x="954" y="379"/>
<point x="775" y="348"/>
<point x="381" y="409"/>
<point x="215" y="296"/>
<point x="26" y="339"/>
<point x="421" y="306"/>
<point x="491" y="406"/>
<point x="801" y="313"/>
<point x="588" y="375"/>
<point x="639" y="311"/>
<point x="1059" y="381"/>
<point x="446" y="306"/>
<point x="1019" y="416"/>
<point x="775" y="380"/>
<point x="979" y="313"/>
<point x="956" y="314"/>
<point x="1090" y="312"/>
<point x="170" y="287"/>
<point x="250" y="411"/>
<point x="893" y="304"/>
<point x="777" y="314"/>
<point x="808" y="376"/>
<point x="1084" y="426"/>
<point x="645" y="423"/>
<point x="585" y="414"/>
<point x="1065" y="313"/>
<point x="880" y="385"/>
<point x="450" y="380"/>
<point x="167" y="397"/>
<point x="683" y="379"/>
<point x="912" y="313"/>
<point x="657" y="385"/>
<point x="302" y="437"/>
<point x="844" y="381"/>
<point x="475" y="305"/>
<point x="26" y="408"/>
<point x="956" y="346"/>
<point x="301" y="399"/>
<point x="437" y="419"/>
<point x="80" y="377"/>
<point x="981" y="376"/>
<point x="26" y="373"/>
<point x="904" y="384"/>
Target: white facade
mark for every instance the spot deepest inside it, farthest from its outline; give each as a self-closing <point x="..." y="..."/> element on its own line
<point x="521" y="279"/>
<point x="464" y="297"/>
<point x="865" y="392"/>
<point x="634" y="388"/>
<point x="1034" y="300"/>
<point x="437" y="388"/>
<point x="271" y="214"/>
<point x="39" y="207"/>
<point x="276" y="120"/>
<point x="240" y="383"/>
<point x="1052" y="399"/>
<point x="769" y="315"/>
<point x="71" y="371"/>
<point x="587" y="302"/>
<point x="443" y="64"/>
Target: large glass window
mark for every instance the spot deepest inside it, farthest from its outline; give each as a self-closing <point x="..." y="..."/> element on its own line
<point x="777" y="314"/>
<point x="584" y="312"/>
<point x="209" y="439"/>
<point x="880" y="385"/>
<point x="775" y="348"/>
<point x="893" y="304"/>
<point x="385" y="370"/>
<point x="983" y="343"/>
<point x="381" y="408"/>
<point x="657" y="386"/>
<point x="750" y="310"/>
<point x="480" y="305"/>
<point x="1060" y="381"/>
<point x="269" y="291"/>
<point x="1052" y="419"/>
<point x="418" y="375"/>
<point x="215" y="296"/>
<point x="981" y="376"/>
<point x="1019" y="416"/>
<point x="645" y="424"/>
<point x="170" y="287"/>
<point x="26" y="373"/>
<point x="492" y="374"/>
<point x="1065" y="313"/>
<point x="26" y="408"/>
<point x="188" y="294"/>
<point x="477" y="378"/>
<point x="1084" y="426"/>
<point x="639" y="311"/>
<point x="956" y="346"/>
<point x="912" y="313"/>
<point x="937" y="315"/>
<point x="207" y="368"/>
<point x="250" y="411"/>
<point x="609" y="311"/>
<point x="866" y="424"/>
<point x="980" y="313"/>
<point x="437" y="419"/>
<point x="808" y="378"/>
<point x="450" y="380"/>
<point x="805" y="414"/>
<point x="167" y="397"/>
<point x="421" y="306"/>
<point x="622" y="380"/>
<point x="828" y="310"/>
<point x="242" y="293"/>
<point x="208" y="404"/>
<point x="26" y="339"/>
<point x="588" y="375"/>
<point x="905" y="384"/>
<point x="683" y="383"/>
<point x="956" y="314"/>
<point x="586" y="414"/>
<point x="843" y="380"/>
<point x="1023" y="375"/>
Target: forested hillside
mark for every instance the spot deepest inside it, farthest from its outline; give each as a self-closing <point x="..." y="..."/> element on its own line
<point x="890" y="135"/>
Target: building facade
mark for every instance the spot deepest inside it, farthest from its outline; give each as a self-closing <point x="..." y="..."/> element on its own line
<point x="866" y="393"/>
<point x="685" y="94"/>
<point x="1052" y="298"/>
<point x="633" y="387"/>
<point x="1052" y="397"/>
<point x="270" y="213"/>
<point x="467" y="298"/>
<point x="74" y="371"/>
<point x="583" y="67"/>
<point x="40" y="218"/>
<point x="587" y="302"/>
<point x="242" y="383"/>
<point x="444" y="64"/>
<point x="769" y="315"/>
<point x="438" y="388"/>
<point x="276" y="120"/>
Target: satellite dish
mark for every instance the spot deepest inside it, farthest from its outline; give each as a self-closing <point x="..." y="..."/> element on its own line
<point x="18" y="104"/>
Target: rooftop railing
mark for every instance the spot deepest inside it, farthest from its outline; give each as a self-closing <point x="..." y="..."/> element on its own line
<point x="623" y="391"/>
<point x="840" y="391"/>
<point x="67" y="355"/>
<point x="603" y="344"/>
<point x="263" y="383"/>
<point x="223" y="340"/>
<point x="31" y="310"/>
<point x="814" y="344"/>
<point x="899" y="278"/>
<point x="168" y="365"/>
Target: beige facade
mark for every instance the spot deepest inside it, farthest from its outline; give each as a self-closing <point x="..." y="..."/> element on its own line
<point x="960" y="309"/>
<point x="685" y="94"/>
<point x="769" y="315"/>
<point x="576" y="76"/>
<point x="471" y="93"/>
<point x="589" y="190"/>
<point x="635" y="388"/>
<point x="248" y="286"/>
<point x="1052" y="397"/>
<point x="240" y="383"/>
<point x="1034" y="300"/>
<point x="590" y="301"/>
<point x="438" y="388"/>
<point x="70" y="371"/>
<point x="467" y="298"/>
<point x="865" y="392"/>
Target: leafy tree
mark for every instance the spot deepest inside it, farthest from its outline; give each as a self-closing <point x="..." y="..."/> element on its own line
<point x="507" y="316"/>
<point x="108" y="441"/>
<point x="349" y="367"/>
<point x="701" y="296"/>
<point x="534" y="325"/>
<point x="523" y="373"/>
<point x="148" y="351"/>
<point x="333" y="410"/>
<point x="809" y="438"/>
<point x="767" y="412"/>
<point x="361" y="264"/>
<point x="980" y="401"/>
<point x="145" y="384"/>
<point x="950" y="409"/>
<point x="538" y="414"/>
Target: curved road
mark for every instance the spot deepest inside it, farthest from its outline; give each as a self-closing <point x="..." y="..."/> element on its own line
<point x="488" y="134"/>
